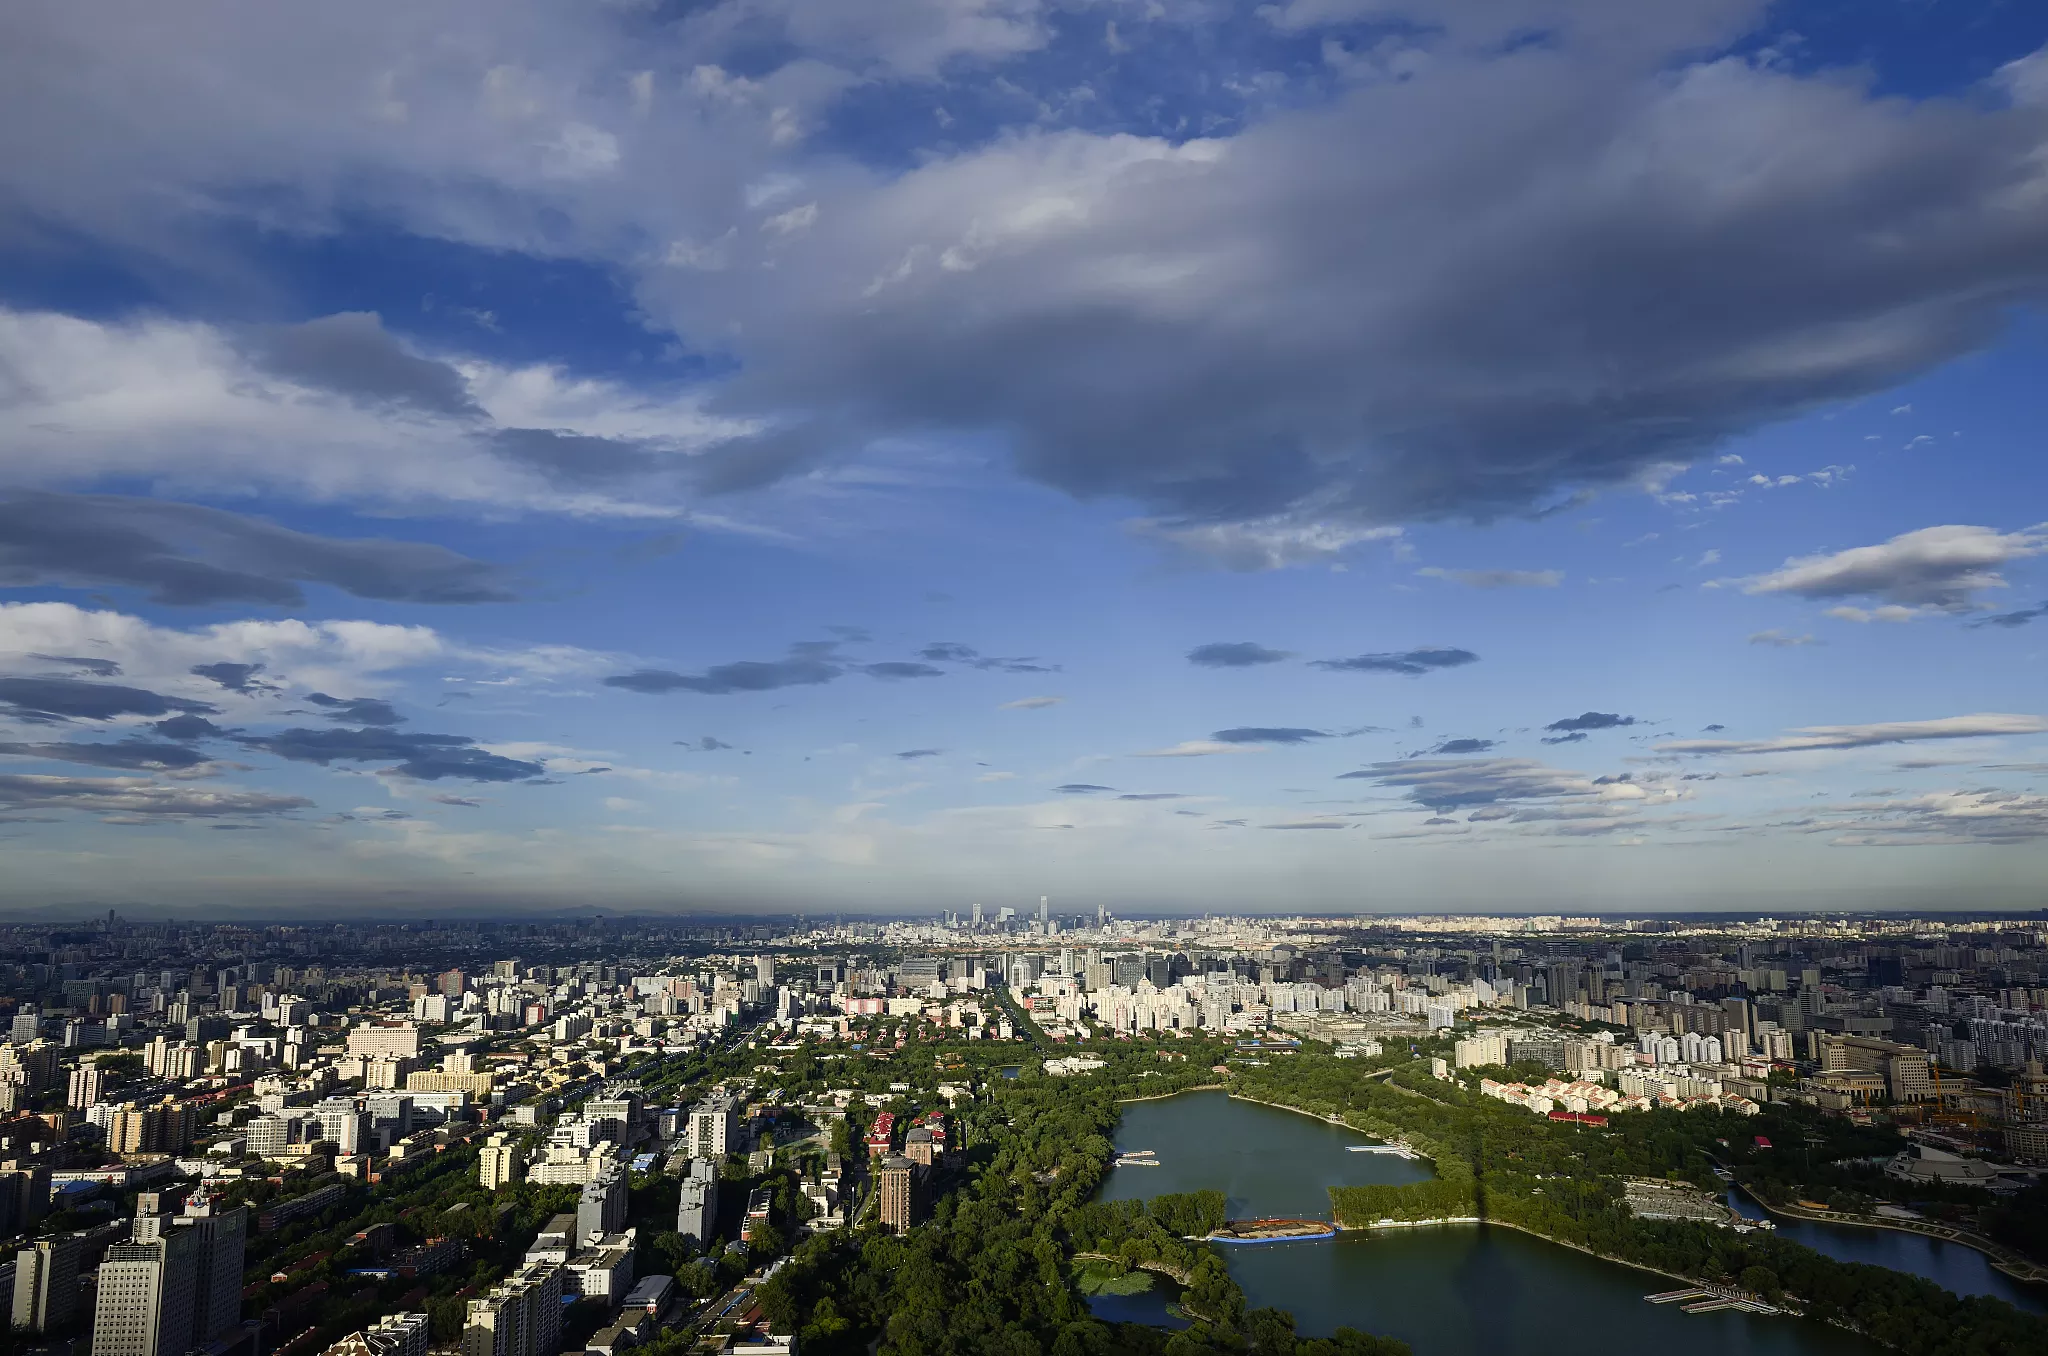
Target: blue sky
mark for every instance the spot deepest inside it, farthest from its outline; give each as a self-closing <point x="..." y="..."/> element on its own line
<point x="1328" y="455"/>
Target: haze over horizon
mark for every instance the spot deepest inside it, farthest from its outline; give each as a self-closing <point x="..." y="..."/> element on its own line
<point x="1381" y="455"/>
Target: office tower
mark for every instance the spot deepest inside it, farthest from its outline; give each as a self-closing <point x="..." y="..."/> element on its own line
<point x="1100" y="916"/>
<point x="87" y="1082"/>
<point x="219" y="1237"/>
<point x="28" y="1023"/>
<point x="897" y="1194"/>
<point x="145" y="1295"/>
<point x="977" y="922"/>
<point x="46" y="1284"/>
<point x="764" y="971"/>
<point x="1042" y="903"/>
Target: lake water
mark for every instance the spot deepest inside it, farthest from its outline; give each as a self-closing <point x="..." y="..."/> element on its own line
<point x="1452" y="1291"/>
<point x="1949" y="1265"/>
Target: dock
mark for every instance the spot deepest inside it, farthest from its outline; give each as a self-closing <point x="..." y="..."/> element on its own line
<point x="1708" y="1299"/>
<point x="1397" y="1149"/>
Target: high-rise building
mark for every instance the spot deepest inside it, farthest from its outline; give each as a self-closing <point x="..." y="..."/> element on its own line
<point x="145" y="1295"/>
<point x="219" y="1238"/>
<point x="87" y="1082"/>
<point x="697" y="1213"/>
<point x="897" y="1194"/>
<point x="977" y="917"/>
<point x="714" y="1128"/>
<point x="46" y="1283"/>
<point x="500" y="1163"/>
<point x="520" y="1317"/>
<point x="601" y="1209"/>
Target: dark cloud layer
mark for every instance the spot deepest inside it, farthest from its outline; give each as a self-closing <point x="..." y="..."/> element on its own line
<point x="1267" y="734"/>
<point x="901" y="669"/>
<point x="352" y="355"/>
<point x="98" y="668"/>
<point x="187" y="728"/>
<point x="746" y="675"/>
<point x="424" y="757"/>
<point x="1462" y="747"/>
<point x="1592" y="719"/>
<point x="356" y="710"/>
<point x="190" y="555"/>
<point x="233" y="677"/>
<point x="59" y="699"/>
<point x="1234" y="654"/>
<point x="134" y="800"/>
<point x="1409" y="662"/>
<point x="131" y="754"/>
<point x="1081" y="788"/>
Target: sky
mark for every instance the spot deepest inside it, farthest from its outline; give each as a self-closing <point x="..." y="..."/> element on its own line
<point x="767" y="455"/>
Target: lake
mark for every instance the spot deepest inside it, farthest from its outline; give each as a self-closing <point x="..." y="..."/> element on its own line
<point x="1949" y="1265"/>
<point x="1453" y="1291"/>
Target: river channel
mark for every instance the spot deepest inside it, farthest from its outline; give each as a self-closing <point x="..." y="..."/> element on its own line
<point x="1459" y="1290"/>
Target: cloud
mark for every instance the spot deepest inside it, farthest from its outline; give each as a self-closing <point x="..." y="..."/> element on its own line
<point x="895" y="669"/>
<point x="1153" y="795"/>
<point x="1591" y="720"/>
<point x="352" y="355"/>
<point x="59" y="699"/>
<point x="187" y="728"/>
<point x="1445" y="784"/>
<point x="464" y="801"/>
<point x="1309" y="824"/>
<point x="98" y="668"/>
<point x="708" y="744"/>
<point x="135" y="800"/>
<point x="133" y="754"/>
<point x="952" y="652"/>
<point x="1575" y="737"/>
<point x="1410" y="662"/>
<point x="1462" y="747"/>
<point x="1268" y="734"/>
<point x="1081" y="788"/>
<point x="1782" y="640"/>
<point x="191" y="555"/>
<point x="233" y="677"/>
<point x="1959" y="817"/>
<point x="1199" y="748"/>
<point x="909" y="754"/>
<point x="423" y="757"/>
<point x="1818" y="737"/>
<point x="356" y="710"/>
<point x="1030" y="703"/>
<point x="2012" y="619"/>
<point x="1266" y="542"/>
<point x="1234" y="654"/>
<point x="746" y="675"/>
<point x="1935" y="568"/>
<point x="1497" y="579"/>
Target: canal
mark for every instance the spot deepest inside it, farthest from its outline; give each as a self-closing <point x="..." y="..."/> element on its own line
<point x="1453" y="1291"/>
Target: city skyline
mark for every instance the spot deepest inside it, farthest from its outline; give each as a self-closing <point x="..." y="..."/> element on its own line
<point x="1377" y="456"/>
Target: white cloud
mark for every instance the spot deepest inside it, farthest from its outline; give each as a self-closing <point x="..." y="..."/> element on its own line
<point x="1265" y="544"/>
<point x="1988" y="725"/>
<point x="1890" y="612"/>
<point x="1197" y="748"/>
<point x="1935" y="568"/>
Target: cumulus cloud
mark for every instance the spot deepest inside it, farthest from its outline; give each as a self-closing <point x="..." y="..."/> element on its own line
<point x="1234" y="654"/>
<point x="1497" y="579"/>
<point x="1820" y="737"/>
<point x="189" y="555"/>
<point x="1935" y="569"/>
<point x="1410" y="662"/>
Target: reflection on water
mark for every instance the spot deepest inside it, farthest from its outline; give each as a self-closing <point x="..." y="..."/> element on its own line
<point x="1949" y="1265"/>
<point x="1453" y="1291"/>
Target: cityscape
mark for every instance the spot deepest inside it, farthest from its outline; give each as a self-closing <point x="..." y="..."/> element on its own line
<point x="1024" y="677"/>
<point x="515" y="1138"/>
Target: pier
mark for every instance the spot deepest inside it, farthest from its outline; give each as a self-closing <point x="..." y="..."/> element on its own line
<point x="1708" y="1299"/>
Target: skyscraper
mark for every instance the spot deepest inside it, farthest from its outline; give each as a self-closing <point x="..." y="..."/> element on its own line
<point x="896" y="1190"/>
<point x="218" y="1239"/>
<point x="146" y="1292"/>
<point x="46" y="1284"/>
